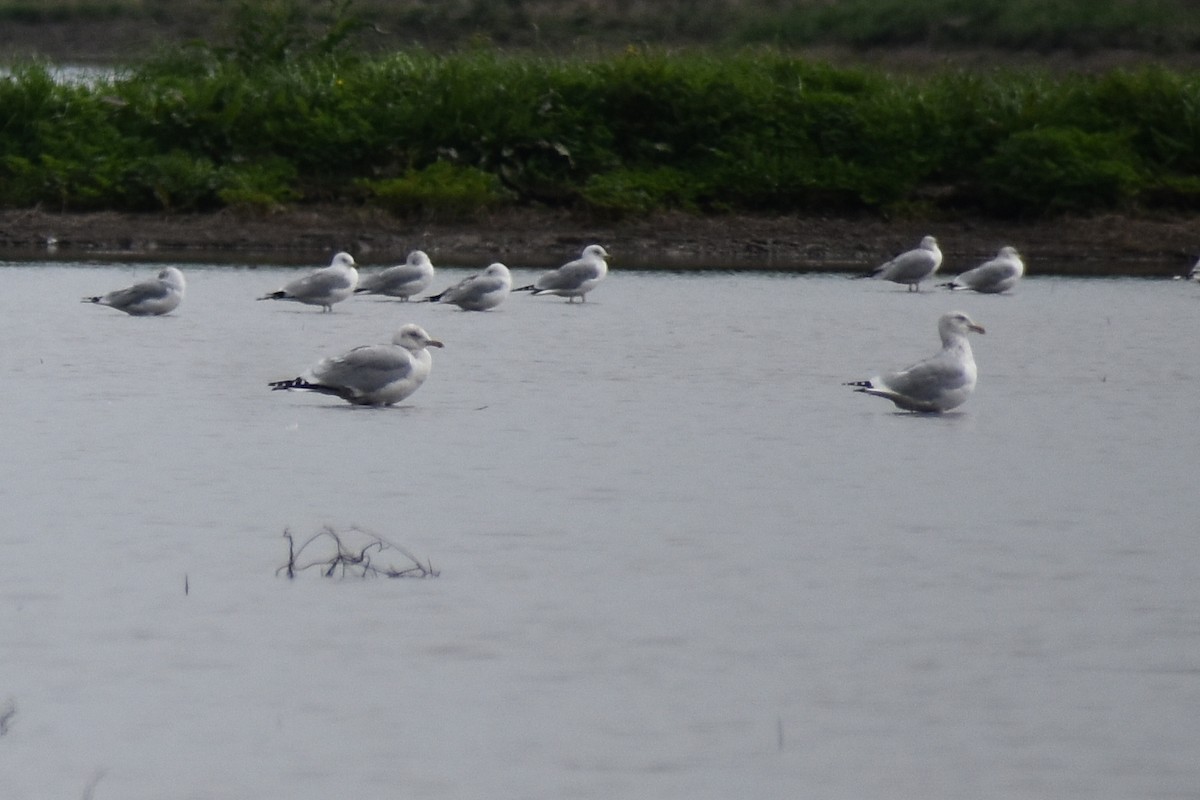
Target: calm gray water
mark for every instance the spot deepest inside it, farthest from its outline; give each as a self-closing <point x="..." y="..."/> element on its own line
<point x="678" y="559"/>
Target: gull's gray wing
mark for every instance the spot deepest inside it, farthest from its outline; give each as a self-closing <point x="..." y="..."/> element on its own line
<point x="926" y="381"/>
<point x="466" y="289"/>
<point x="569" y="276"/>
<point x="907" y="267"/>
<point x="991" y="275"/>
<point x="317" y="284"/>
<point x="401" y="280"/>
<point x="473" y="289"/>
<point x="143" y="292"/>
<point x="364" y="369"/>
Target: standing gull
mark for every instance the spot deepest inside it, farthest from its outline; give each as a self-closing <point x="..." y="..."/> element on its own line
<point x="575" y="278"/>
<point x="374" y="374"/>
<point x="991" y="277"/>
<point x="403" y="281"/>
<point x="939" y="383"/>
<point x="327" y="286"/>
<point x="150" y="298"/>
<point x="911" y="267"/>
<point x="479" y="292"/>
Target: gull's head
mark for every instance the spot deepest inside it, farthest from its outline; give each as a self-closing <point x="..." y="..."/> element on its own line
<point x="929" y="243"/>
<point x="418" y="258"/>
<point x="413" y="337"/>
<point x="500" y="273"/>
<point x="957" y="323"/>
<point x="172" y="277"/>
<point x="1009" y="252"/>
<point x="343" y="259"/>
<point x="594" y="251"/>
<point x="497" y="270"/>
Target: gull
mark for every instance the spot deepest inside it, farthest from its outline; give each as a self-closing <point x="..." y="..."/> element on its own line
<point x="575" y="278"/>
<point x="479" y="292"/>
<point x="324" y="287"/>
<point x="911" y="267"/>
<point x="997" y="275"/>
<point x="940" y="382"/>
<point x="403" y="281"/>
<point x="374" y="374"/>
<point x="1194" y="274"/>
<point x="150" y="298"/>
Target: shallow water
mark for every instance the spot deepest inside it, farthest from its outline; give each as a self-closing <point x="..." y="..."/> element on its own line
<point x="677" y="558"/>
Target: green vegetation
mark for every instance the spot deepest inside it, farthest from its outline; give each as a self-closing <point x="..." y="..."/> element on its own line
<point x="284" y="114"/>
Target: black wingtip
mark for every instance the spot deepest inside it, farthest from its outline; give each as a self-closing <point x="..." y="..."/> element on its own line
<point x="299" y="383"/>
<point x="528" y="288"/>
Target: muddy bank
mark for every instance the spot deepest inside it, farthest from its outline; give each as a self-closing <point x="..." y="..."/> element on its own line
<point x="1098" y="246"/>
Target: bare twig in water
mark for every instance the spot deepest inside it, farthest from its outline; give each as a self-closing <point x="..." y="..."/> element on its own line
<point x="356" y="552"/>
<point x="6" y="714"/>
<point x="90" y="789"/>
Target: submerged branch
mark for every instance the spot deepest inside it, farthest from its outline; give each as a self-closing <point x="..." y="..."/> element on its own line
<point x="349" y="553"/>
<point x="6" y="714"/>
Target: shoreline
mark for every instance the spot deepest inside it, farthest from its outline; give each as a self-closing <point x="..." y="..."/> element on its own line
<point x="1103" y="245"/>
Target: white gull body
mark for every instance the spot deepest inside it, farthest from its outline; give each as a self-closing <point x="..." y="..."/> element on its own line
<point x="159" y="295"/>
<point x="575" y="278"/>
<point x="991" y="277"/>
<point x="482" y="291"/>
<point x="324" y="287"/>
<point x="940" y="382"/>
<point x="402" y="281"/>
<point x="374" y="374"/>
<point x="911" y="267"/>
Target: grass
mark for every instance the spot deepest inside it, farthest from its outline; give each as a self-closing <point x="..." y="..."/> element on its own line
<point x="286" y="114"/>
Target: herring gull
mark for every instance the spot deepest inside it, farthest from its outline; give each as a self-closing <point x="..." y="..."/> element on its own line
<point x="156" y="296"/>
<point x="324" y="287"/>
<point x="575" y="278"/>
<point x="403" y="281"/>
<point x="939" y="383"/>
<point x="374" y="374"/>
<point x="479" y="292"/>
<point x="912" y="266"/>
<point x="991" y="277"/>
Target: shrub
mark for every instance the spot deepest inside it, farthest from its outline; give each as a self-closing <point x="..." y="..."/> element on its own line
<point x="624" y="192"/>
<point x="1055" y="170"/>
<point x="257" y="186"/>
<point x="173" y="181"/>
<point x="455" y="135"/>
<point x="441" y="190"/>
